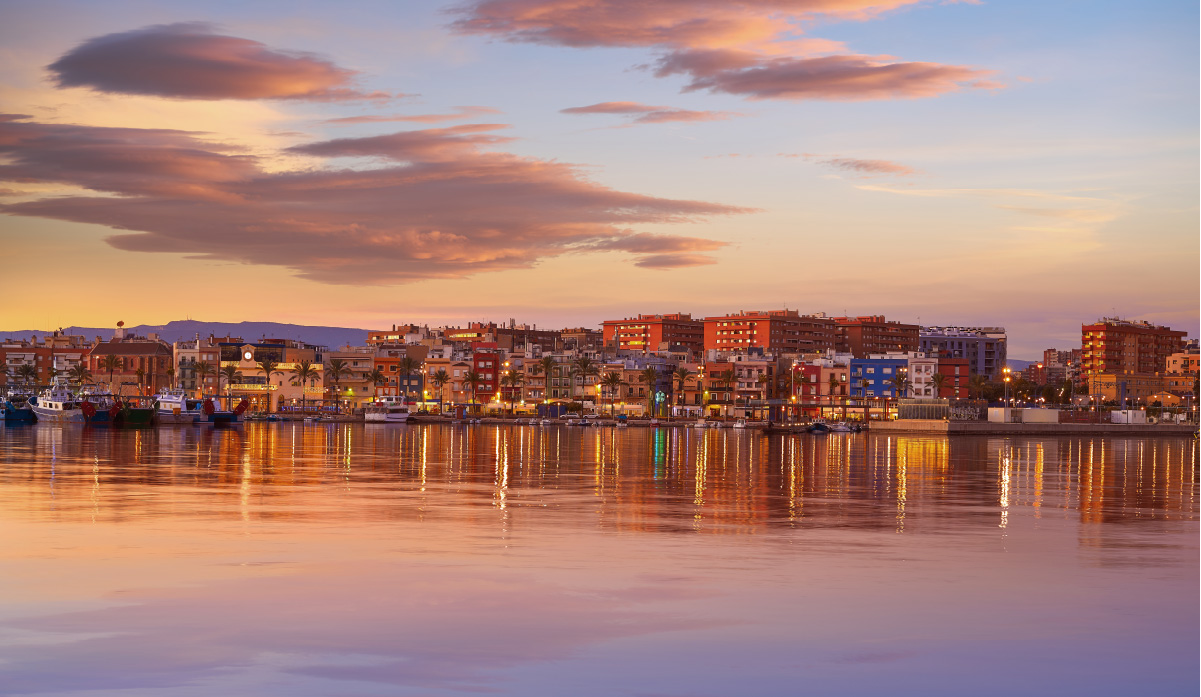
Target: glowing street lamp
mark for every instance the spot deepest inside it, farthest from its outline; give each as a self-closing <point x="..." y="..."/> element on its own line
<point x="1007" y="371"/>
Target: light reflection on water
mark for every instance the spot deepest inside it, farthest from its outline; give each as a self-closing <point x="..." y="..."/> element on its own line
<point x="365" y="560"/>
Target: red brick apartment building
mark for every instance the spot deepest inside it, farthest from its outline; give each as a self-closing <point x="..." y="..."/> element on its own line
<point x="1122" y="346"/>
<point x="873" y="334"/>
<point x="650" y="332"/>
<point x="774" y="330"/>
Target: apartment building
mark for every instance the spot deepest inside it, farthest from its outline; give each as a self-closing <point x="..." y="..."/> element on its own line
<point x="985" y="348"/>
<point x="770" y="330"/>
<point x="862" y="336"/>
<point x="651" y="333"/>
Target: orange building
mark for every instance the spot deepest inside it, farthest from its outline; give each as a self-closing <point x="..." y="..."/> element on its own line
<point x="650" y="333"/>
<point x="773" y="330"/>
<point x="870" y="334"/>
<point x="1121" y="346"/>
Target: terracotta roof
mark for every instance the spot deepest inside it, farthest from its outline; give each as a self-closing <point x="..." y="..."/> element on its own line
<point x="131" y="348"/>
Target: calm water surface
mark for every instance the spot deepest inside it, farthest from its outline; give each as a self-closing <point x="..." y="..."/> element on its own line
<point x="285" y="559"/>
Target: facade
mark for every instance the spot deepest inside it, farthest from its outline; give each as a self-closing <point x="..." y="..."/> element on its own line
<point x="399" y="334"/>
<point x="388" y="359"/>
<point x="141" y="364"/>
<point x="1061" y="365"/>
<point x="921" y="371"/>
<point x="33" y="362"/>
<point x="187" y="354"/>
<point x="1114" y="346"/>
<point x="650" y="333"/>
<point x="1134" y="387"/>
<point x="875" y="377"/>
<point x="863" y="336"/>
<point x="582" y="339"/>
<point x="1182" y="371"/>
<point x="770" y="330"/>
<point x="352" y="387"/>
<point x="957" y="371"/>
<point x="985" y="348"/>
<point x="266" y="392"/>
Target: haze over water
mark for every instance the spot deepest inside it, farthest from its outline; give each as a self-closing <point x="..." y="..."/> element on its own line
<point x="290" y="559"/>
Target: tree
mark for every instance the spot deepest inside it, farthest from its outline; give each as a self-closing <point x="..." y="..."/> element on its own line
<point x="408" y="366"/>
<point x="79" y="374"/>
<point x="900" y="383"/>
<point x="302" y="373"/>
<point x="376" y="377"/>
<point x="512" y="379"/>
<point x="976" y="385"/>
<point x="650" y="376"/>
<point x="613" y="383"/>
<point x="171" y="376"/>
<point x="110" y="363"/>
<point x="940" y="382"/>
<point x="545" y="366"/>
<point x="231" y="375"/>
<point x="52" y="374"/>
<point x="439" y="379"/>
<point x="681" y="374"/>
<point x="583" y="367"/>
<point x="203" y="370"/>
<point x="337" y="369"/>
<point x="141" y="373"/>
<point x="473" y="380"/>
<point x="27" y="374"/>
<point x="723" y="378"/>
<point x="270" y="367"/>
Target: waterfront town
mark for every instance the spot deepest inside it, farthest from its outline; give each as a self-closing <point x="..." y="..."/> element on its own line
<point x="774" y="365"/>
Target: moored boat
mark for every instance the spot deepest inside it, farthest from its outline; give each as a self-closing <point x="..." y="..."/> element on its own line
<point x="17" y="411"/>
<point x="56" y="404"/>
<point x="174" y="407"/>
<point x="387" y="409"/>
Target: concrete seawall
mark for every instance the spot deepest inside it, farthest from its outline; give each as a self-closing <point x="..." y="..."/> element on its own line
<point x="988" y="428"/>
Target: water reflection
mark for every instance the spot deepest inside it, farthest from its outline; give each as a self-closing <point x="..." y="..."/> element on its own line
<point x="716" y="482"/>
<point x="345" y="559"/>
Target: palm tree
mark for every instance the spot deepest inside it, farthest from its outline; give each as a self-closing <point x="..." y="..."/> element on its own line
<point x="650" y="376"/>
<point x="546" y="366"/>
<point x="52" y="374"/>
<point x="582" y="367"/>
<point x="270" y="367"/>
<point x="203" y="369"/>
<point x="376" y="377"/>
<point x="27" y="374"/>
<point x="407" y="367"/>
<point x="512" y="379"/>
<point x="940" y="382"/>
<point x="680" y="374"/>
<point x="900" y="383"/>
<point x="231" y="375"/>
<point x="79" y="374"/>
<point x="4" y="373"/>
<point x="976" y="385"/>
<point x="302" y="373"/>
<point x="613" y="383"/>
<point x="473" y="380"/>
<point x="141" y="373"/>
<point x="337" y="369"/>
<point x="724" y="378"/>
<point x="110" y="363"/>
<point x="171" y="376"/>
<point x="440" y="379"/>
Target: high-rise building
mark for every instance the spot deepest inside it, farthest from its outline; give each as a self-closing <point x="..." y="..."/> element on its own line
<point x="1113" y="345"/>
<point x="772" y="330"/>
<point x="650" y="333"/>
<point x="874" y="334"/>
<point x="984" y="348"/>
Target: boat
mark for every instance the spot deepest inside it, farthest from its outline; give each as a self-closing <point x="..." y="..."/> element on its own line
<point x="546" y="422"/>
<point x="174" y="407"/>
<point x="739" y="423"/>
<point x="17" y="411"/>
<point x="841" y="427"/>
<point x="118" y="412"/>
<point x="701" y="423"/>
<point x="222" y="417"/>
<point x="56" y="404"/>
<point x="389" y="409"/>
<point x="818" y="427"/>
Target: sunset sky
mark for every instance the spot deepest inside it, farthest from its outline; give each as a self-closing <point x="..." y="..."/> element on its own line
<point x="1026" y="164"/>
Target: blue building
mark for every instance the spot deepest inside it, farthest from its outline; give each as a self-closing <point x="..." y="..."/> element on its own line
<point x="876" y="377"/>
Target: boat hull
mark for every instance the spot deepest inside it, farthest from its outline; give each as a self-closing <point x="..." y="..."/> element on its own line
<point x="385" y="418"/>
<point x="57" y="416"/>
<point x="19" y="417"/>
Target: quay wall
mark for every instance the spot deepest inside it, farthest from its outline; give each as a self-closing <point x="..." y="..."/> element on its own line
<point x="991" y="428"/>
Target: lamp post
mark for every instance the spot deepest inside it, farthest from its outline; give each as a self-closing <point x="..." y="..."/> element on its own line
<point x="792" y="393"/>
<point x="1006" y="371"/>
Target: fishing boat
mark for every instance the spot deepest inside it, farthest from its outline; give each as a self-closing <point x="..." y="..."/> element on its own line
<point x="818" y="427"/>
<point x="388" y="409"/>
<point x="17" y="411"/>
<point x="222" y="417"/>
<point x="117" y="412"/>
<point x="174" y="407"/>
<point x="56" y="404"/>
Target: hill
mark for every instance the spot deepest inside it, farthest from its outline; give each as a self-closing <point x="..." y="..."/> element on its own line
<point x="332" y="337"/>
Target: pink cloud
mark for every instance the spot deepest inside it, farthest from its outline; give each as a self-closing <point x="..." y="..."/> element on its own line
<point x="751" y="49"/>
<point x="847" y="77"/>
<point x="462" y="112"/>
<point x="645" y="113"/>
<point x="869" y="167"/>
<point x="441" y="206"/>
<point x="190" y="61"/>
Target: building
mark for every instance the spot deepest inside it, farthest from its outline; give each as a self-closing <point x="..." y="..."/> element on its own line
<point x="190" y="354"/>
<point x="510" y="337"/>
<point x="651" y="333"/>
<point x="985" y="348"/>
<point x="33" y="362"/>
<point x="582" y="339"/>
<point x="132" y="364"/>
<point x="957" y="372"/>
<point x="390" y="360"/>
<point x="785" y="331"/>
<point x="1182" y="372"/>
<point x="399" y="334"/>
<point x="1113" y="346"/>
<point x="266" y="392"/>
<point x="863" y="336"/>
<point x="921" y="372"/>
<point x="876" y="376"/>
<point x="352" y="386"/>
<point x="1061" y="365"/>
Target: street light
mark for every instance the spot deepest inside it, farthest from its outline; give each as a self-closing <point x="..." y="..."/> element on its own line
<point x="1006" y="371"/>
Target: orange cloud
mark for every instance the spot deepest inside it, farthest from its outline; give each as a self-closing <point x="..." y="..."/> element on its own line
<point x="869" y="167"/>
<point x="645" y="113"/>
<point x="439" y="207"/>
<point x="752" y="49"/>
<point x="189" y="61"/>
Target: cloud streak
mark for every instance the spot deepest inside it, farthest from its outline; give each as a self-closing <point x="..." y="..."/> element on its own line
<point x="750" y="49"/>
<point x="436" y="204"/>
<point x="461" y="112"/>
<point x="645" y="113"/>
<point x="191" y="61"/>
<point x="868" y="167"/>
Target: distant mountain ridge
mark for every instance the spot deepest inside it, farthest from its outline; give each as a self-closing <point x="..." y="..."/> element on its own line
<point x="179" y="330"/>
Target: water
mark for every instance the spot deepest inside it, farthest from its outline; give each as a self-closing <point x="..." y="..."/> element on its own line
<point x="285" y="559"/>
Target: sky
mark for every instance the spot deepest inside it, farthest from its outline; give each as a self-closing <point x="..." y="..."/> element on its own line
<point x="561" y="162"/>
